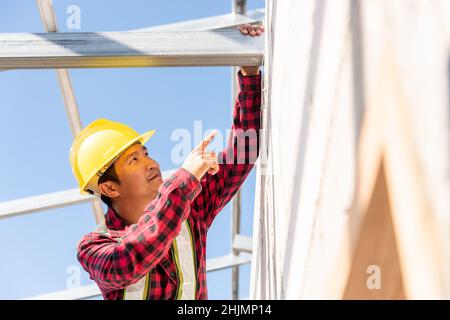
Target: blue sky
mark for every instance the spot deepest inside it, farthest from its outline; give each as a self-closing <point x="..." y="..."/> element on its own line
<point x="38" y="249"/>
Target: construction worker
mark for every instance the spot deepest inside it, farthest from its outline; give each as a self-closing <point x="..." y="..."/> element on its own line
<point x="153" y="242"/>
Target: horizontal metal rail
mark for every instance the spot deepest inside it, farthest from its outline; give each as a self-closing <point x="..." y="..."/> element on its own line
<point x="90" y="291"/>
<point x="42" y="202"/>
<point x="49" y="201"/>
<point x="83" y="292"/>
<point x="128" y="49"/>
<point x="226" y="261"/>
<point x="242" y="243"/>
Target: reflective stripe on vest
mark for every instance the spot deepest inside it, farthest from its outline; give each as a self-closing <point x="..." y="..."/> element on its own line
<point x="184" y="257"/>
<point x="138" y="290"/>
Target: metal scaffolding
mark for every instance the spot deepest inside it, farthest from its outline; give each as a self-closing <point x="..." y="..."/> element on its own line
<point x="212" y="41"/>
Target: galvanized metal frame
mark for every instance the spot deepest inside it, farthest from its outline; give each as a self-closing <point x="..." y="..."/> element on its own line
<point x="90" y="291"/>
<point x="53" y="200"/>
<point x="238" y="8"/>
<point x="128" y="49"/>
<point x="48" y="18"/>
<point x="201" y="46"/>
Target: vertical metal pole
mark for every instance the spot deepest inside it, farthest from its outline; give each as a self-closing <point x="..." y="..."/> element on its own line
<point x="235" y="229"/>
<point x="238" y="6"/>
<point x="50" y="24"/>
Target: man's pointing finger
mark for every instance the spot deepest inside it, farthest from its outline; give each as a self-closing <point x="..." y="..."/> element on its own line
<point x="204" y="144"/>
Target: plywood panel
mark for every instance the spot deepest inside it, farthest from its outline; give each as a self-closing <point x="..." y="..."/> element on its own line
<point x="376" y="270"/>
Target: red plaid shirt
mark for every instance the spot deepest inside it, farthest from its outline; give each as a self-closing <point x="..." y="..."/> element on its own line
<point x="116" y="255"/>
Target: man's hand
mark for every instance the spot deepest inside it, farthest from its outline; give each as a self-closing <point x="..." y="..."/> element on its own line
<point x="199" y="161"/>
<point x="252" y="30"/>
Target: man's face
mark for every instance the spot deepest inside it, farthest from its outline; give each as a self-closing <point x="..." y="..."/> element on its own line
<point x="139" y="175"/>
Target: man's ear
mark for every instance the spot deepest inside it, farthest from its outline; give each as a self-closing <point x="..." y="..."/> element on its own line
<point x="109" y="189"/>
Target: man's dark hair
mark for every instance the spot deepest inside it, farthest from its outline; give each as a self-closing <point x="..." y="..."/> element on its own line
<point x="109" y="175"/>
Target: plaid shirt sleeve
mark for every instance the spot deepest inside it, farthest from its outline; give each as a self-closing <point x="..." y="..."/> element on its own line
<point x="115" y="264"/>
<point x="238" y="158"/>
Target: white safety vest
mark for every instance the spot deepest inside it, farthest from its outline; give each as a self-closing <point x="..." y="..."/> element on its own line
<point x="184" y="255"/>
<point x="183" y="249"/>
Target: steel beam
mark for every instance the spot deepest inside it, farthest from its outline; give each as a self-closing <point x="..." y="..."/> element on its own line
<point x="227" y="261"/>
<point x="242" y="243"/>
<point x="83" y="292"/>
<point x="90" y="291"/>
<point x="128" y="49"/>
<point x="49" y="201"/>
<point x="48" y="18"/>
<point x="239" y="7"/>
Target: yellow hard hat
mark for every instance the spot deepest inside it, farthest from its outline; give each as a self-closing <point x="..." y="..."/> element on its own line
<point x="96" y="147"/>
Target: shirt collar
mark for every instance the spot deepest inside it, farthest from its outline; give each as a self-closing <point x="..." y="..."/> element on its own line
<point x="113" y="220"/>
